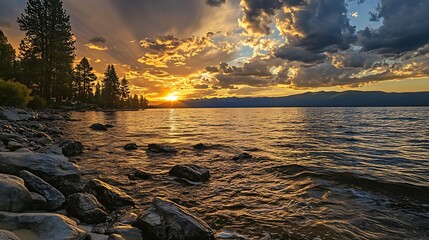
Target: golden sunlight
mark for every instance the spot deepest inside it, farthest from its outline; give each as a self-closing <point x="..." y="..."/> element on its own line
<point x="172" y="97"/>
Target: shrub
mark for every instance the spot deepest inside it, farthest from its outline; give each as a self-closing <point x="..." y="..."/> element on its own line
<point x="14" y="94"/>
<point x="37" y="102"/>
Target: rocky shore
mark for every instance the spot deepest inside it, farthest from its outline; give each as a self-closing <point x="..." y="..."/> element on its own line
<point x="43" y="196"/>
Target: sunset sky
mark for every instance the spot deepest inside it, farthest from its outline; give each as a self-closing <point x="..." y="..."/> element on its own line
<point x="222" y="48"/>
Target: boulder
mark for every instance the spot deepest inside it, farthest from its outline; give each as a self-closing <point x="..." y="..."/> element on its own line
<point x="39" y="202"/>
<point x="71" y="148"/>
<point x="45" y="225"/>
<point x="130" y="146"/>
<point x="44" y="140"/>
<point x="190" y="172"/>
<point x="54" y="169"/>
<point x="6" y="235"/>
<point x="11" y="114"/>
<point x="116" y="237"/>
<point x="13" y="145"/>
<point x="139" y="175"/>
<point x="165" y="220"/>
<point x="53" y="197"/>
<point x="111" y="197"/>
<point x="86" y="208"/>
<point x="126" y="231"/>
<point x="98" y="127"/>
<point x="158" y="148"/>
<point x="14" y="196"/>
<point x="200" y="146"/>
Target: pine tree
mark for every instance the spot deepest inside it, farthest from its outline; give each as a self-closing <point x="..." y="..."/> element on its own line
<point x="97" y="94"/>
<point x="143" y="102"/>
<point x="83" y="80"/>
<point x="29" y="66"/>
<point x="124" y="91"/>
<point x="48" y="31"/>
<point x="111" y="87"/>
<point x="7" y="57"/>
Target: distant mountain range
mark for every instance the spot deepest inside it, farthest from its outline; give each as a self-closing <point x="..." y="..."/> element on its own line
<point x="311" y="99"/>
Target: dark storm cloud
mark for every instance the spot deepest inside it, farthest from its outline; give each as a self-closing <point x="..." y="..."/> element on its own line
<point x="97" y="40"/>
<point x="215" y="3"/>
<point x="212" y="69"/>
<point x="405" y="27"/>
<point x="298" y="54"/>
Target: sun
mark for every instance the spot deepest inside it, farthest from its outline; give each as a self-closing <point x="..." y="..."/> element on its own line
<point x="172" y="97"/>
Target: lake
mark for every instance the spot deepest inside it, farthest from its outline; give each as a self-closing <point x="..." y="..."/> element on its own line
<point x="316" y="173"/>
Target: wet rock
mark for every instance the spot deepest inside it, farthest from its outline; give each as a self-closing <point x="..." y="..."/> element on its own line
<point x="158" y="148"/>
<point x="130" y="146"/>
<point x="86" y="208"/>
<point x="54" y="169"/>
<point x="165" y="220"/>
<point x="54" y="131"/>
<point x="45" y="225"/>
<point x="242" y="156"/>
<point x="13" y="145"/>
<point x="139" y="175"/>
<point x="126" y="218"/>
<point x="53" y="197"/>
<point x="109" y="126"/>
<point x="6" y="235"/>
<point x="71" y="148"/>
<point x="98" y="127"/>
<point x="44" y="140"/>
<point x="116" y="237"/>
<point x="95" y="236"/>
<point x="200" y="146"/>
<point x="14" y="196"/>
<point x="126" y="231"/>
<point x="52" y="149"/>
<point x="190" y="172"/>
<point x="23" y="150"/>
<point x="111" y="197"/>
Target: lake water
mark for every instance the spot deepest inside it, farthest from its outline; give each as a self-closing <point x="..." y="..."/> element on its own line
<point x="316" y="173"/>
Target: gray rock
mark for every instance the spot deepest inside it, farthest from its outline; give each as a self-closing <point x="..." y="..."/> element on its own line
<point x="116" y="237"/>
<point x="165" y="220"/>
<point x="130" y="146"/>
<point x="11" y="114"/>
<point x="52" y="149"/>
<point x="85" y="207"/>
<point x="46" y="225"/>
<point x="6" y="235"/>
<point x="126" y="231"/>
<point x="158" y="148"/>
<point x="23" y="150"/>
<point x="44" y="140"/>
<point x="111" y="197"/>
<point x="38" y="202"/>
<point x="54" y="169"/>
<point x="95" y="236"/>
<point x="98" y="127"/>
<point x="126" y="218"/>
<point x="54" y="197"/>
<point x="14" y="196"/>
<point x="71" y="148"/>
<point x="13" y="145"/>
<point x="190" y="172"/>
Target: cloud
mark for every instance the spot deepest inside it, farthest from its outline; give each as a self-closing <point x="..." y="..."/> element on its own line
<point x="5" y="24"/>
<point x="405" y="27"/>
<point x="215" y="3"/>
<point x="96" y="47"/>
<point x="298" y="54"/>
<point x="97" y="40"/>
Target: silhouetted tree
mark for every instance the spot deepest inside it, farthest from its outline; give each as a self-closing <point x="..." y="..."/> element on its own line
<point x="48" y="33"/>
<point x="7" y="58"/>
<point x="110" y="88"/>
<point x="83" y="80"/>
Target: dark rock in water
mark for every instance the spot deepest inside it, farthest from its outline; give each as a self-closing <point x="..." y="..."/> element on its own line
<point x="200" y="146"/>
<point x="190" y="172"/>
<point x="116" y="237"/>
<point x="71" y="148"/>
<point x="130" y="146"/>
<point x="98" y="127"/>
<point x="242" y="156"/>
<point x="54" y="169"/>
<point x="158" y="148"/>
<point x="139" y="175"/>
<point x="54" y="197"/>
<point x="111" y="197"/>
<point x="45" y="225"/>
<point x="165" y="220"/>
<point x="86" y="208"/>
<point x="109" y="126"/>
<point x="126" y="231"/>
<point x="14" y="196"/>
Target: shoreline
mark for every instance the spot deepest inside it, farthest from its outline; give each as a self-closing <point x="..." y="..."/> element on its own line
<point x="37" y="164"/>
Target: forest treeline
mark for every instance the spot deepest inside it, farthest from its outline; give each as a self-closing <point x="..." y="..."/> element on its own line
<point x="45" y="60"/>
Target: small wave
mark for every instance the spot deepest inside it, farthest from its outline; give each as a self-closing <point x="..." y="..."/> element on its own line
<point x="393" y="189"/>
<point x="412" y="119"/>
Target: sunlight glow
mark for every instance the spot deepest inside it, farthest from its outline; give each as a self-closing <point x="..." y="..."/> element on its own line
<point x="172" y="97"/>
